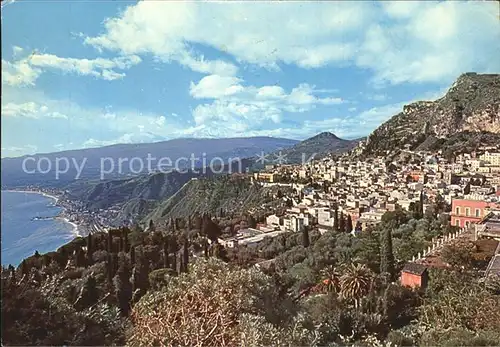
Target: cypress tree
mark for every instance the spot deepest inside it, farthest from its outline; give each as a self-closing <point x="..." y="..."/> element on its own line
<point x="89" y="294"/>
<point x="12" y="273"/>
<point x="123" y="288"/>
<point x="140" y="276"/>
<point x="90" y="249"/>
<point x="80" y="258"/>
<point x="24" y="267"/>
<point x="386" y="254"/>
<point x="109" y="268"/>
<point x="336" y="219"/>
<point x="165" y="252"/>
<point x="467" y="189"/>
<point x="305" y="237"/>
<point x="205" y="247"/>
<point x="342" y="222"/>
<point x="349" y="224"/>
<point x="152" y="227"/>
<point x="132" y="255"/>
<point x="185" y="254"/>
<point x="110" y="242"/>
<point x="125" y="239"/>
<point x="251" y="221"/>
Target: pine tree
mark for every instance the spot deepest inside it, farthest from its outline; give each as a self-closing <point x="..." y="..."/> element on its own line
<point x="305" y="237"/>
<point x="349" y="224"/>
<point x="342" y="223"/>
<point x="123" y="288"/>
<point x="386" y="254"/>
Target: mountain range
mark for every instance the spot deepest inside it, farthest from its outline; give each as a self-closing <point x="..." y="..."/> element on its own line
<point x="13" y="174"/>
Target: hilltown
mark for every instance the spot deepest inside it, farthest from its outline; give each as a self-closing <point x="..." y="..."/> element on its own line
<point x="359" y="193"/>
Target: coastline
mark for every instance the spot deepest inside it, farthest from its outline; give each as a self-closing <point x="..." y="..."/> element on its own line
<point x="75" y="227"/>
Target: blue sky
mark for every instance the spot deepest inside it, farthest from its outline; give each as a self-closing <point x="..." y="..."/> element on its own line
<point x="81" y="74"/>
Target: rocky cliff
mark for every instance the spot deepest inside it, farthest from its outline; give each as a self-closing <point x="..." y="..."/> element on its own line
<point x="470" y="107"/>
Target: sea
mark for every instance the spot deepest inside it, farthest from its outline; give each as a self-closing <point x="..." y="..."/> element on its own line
<point x="21" y="235"/>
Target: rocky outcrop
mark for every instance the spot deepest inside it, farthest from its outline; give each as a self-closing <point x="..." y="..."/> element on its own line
<point x="471" y="105"/>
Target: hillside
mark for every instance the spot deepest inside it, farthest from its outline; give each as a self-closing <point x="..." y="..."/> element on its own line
<point x="231" y="194"/>
<point x="466" y="117"/>
<point x="103" y="162"/>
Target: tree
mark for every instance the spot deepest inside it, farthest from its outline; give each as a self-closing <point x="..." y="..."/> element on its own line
<point x="166" y="250"/>
<point x="140" y="276"/>
<point x="305" y="237"/>
<point x="457" y="255"/>
<point x="348" y="228"/>
<point x="151" y="226"/>
<point x="342" y="223"/>
<point x="355" y="283"/>
<point x="110" y="242"/>
<point x="185" y="255"/>
<point x="132" y="255"/>
<point x="467" y="188"/>
<point x="336" y="219"/>
<point x="89" y="294"/>
<point x="123" y="288"/>
<point x="90" y="249"/>
<point x="251" y="221"/>
<point x="386" y="254"/>
<point x="217" y="304"/>
<point x="331" y="278"/>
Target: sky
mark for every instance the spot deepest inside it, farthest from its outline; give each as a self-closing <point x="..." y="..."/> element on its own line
<point x="80" y="74"/>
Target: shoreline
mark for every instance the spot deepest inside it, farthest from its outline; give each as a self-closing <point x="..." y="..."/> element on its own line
<point x="75" y="227"/>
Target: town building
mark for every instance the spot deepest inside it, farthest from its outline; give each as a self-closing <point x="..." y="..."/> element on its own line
<point x="414" y="275"/>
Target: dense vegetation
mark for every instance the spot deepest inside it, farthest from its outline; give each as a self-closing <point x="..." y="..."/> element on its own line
<point x="176" y="286"/>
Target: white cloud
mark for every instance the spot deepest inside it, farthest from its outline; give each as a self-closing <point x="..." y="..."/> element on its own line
<point x="29" y="109"/>
<point x="25" y="71"/>
<point x="398" y="41"/>
<point x="238" y="108"/>
<point x="20" y="73"/>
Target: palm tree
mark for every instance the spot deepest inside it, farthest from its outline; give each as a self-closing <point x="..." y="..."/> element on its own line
<point x="331" y="278"/>
<point x="356" y="282"/>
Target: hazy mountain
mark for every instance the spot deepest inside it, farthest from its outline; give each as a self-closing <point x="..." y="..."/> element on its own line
<point x="466" y="117"/>
<point x="318" y="146"/>
<point x="134" y="154"/>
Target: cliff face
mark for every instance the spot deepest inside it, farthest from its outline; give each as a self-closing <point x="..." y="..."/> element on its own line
<point x="471" y="105"/>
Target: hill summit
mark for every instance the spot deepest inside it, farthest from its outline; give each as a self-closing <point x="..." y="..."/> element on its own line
<point x="466" y="117"/>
